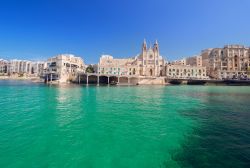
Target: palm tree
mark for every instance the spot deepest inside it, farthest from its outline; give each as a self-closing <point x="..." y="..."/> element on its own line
<point x="90" y="69"/>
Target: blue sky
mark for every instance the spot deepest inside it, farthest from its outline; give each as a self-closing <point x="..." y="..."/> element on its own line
<point x="38" y="29"/>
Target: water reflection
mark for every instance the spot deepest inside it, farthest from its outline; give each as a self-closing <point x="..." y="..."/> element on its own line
<point x="68" y="104"/>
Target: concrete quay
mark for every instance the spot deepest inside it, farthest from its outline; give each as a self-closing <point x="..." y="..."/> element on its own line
<point x="94" y="78"/>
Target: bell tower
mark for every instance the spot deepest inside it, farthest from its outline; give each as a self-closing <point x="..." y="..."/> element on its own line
<point x="144" y="48"/>
<point x="156" y="58"/>
<point x="144" y="51"/>
<point x="156" y="48"/>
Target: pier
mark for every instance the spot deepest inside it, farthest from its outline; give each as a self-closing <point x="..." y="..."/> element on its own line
<point x="113" y="79"/>
<point x="95" y="78"/>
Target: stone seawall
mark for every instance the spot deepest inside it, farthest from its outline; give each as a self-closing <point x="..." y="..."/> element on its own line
<point x="152" y="81"/>
<point x="209" y="82"/>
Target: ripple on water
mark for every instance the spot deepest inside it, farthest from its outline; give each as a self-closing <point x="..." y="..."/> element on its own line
<point x="122" y="126"/>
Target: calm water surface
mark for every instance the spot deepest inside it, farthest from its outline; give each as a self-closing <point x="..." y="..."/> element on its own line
<point x="130" y="127"/>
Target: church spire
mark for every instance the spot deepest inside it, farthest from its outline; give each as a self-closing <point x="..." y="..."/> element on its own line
<point x="144" y="45"/>
<point x="156" y="46"/>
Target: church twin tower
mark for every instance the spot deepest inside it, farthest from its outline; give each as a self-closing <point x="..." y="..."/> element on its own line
<point x="155" y="47"/>
<point x="152" y="62"/>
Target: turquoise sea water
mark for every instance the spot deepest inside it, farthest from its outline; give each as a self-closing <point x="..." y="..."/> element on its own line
<point x="130" y="127"/>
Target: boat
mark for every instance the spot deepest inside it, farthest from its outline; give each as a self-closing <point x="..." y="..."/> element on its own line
<point x="113" y="83"/>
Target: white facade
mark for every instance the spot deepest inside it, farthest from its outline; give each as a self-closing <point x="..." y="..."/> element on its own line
<point x="64" y="67"/>
<point x="179" y="62"/>
<point x="3" y="66"/>
<point x="205" y="59"/>
<point x="194" y="61"/>
<point x="24" y="67"/>
<point x="230" y="62"/>
<point x="185" y="72"/>
<point x="148" y="63"/>
<point x="38" y="68"/>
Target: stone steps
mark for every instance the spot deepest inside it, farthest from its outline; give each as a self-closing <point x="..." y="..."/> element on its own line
<point x="152" y="81"/>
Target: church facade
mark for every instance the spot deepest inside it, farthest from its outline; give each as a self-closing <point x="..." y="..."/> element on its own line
<point x="148" y="63"/>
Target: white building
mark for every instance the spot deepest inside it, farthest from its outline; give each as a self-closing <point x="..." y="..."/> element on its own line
<point x="194" y="61"/>
<point x="148" y="63"/>
<point x="205" y="59"/>
<point x="64" y="67"/>
<point x="3" y="66"/>
<point x="230" y="62"/>
<point x="25" y="68"/>
<point x="38" y="68"/>
<point x="179" y="62"/>
<point x="185" y="72"/>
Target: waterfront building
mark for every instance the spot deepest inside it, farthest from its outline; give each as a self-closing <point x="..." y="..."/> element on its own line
<point x="179" y="62"/>
<point x="194" y="61"/>
<point x="230" y="62"/>
<point x="19" y="67"/>
<point x="64" y="67"/>
<point x="120" y="66"/>
<point x="95" y="66"/>
<point x="3" y="66"/>
<point x="185" y="72"/>
<point x="205" y="59"/>
<point x="38" y="68"/>
<point x="187" y="68"/>
<point x="25" y="68"/>
<point x="149" y="63"/>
